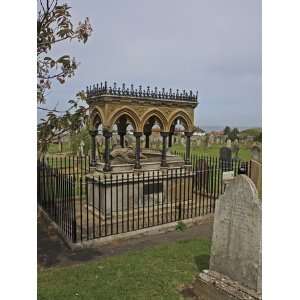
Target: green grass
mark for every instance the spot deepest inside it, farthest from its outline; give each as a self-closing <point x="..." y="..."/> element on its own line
<point x="154" y="273"/>
<point x="244" y="153"/>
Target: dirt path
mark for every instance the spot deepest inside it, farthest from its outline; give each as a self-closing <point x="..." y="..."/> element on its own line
<point x="53" y="252"/>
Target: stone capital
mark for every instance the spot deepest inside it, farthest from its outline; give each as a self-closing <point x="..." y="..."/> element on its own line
<point x="137" y="134"/>
<point x="164" y="133"/>
<point x="107" y="133"/>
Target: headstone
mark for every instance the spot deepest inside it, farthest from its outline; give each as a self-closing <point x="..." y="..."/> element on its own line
<point x="81" y="148"/>
<point x="203" y="174"/>
<point x="228" y="143"/>
<point x="225" y="155"/>
<point x="114" y="140"/>
<point x="256" y="153"/>
<point x="235" y="260"/>
<point x="211" y="139"/>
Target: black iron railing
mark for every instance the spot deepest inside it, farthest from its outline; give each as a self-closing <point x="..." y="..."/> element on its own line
<point x="87" y="207"/>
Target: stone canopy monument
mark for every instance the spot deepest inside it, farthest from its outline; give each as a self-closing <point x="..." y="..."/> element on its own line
<point x="126" y="116"/>
<point x="235" y="260"/>
<point x="111" y="106"/>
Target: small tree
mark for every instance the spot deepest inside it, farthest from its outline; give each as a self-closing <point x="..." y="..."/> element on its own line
<point x="227" y="130"/>
<point x="54" y="25"/>
<point x="234" y="134"/>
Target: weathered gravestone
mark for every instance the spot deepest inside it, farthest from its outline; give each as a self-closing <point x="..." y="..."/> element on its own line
<point x="228" y="143"/>
<point x="202" y="175"/>
<point x="256" y="153"/>
<point x="235" y="260"/>
<point x="225" y="155"/>
<point x="81" y="148"/>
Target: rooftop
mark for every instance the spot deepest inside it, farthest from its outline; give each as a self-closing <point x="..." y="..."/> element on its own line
<point x="103" y="89"/>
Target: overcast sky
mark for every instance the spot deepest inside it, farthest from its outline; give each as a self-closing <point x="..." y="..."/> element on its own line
<point x="213" y="46"/>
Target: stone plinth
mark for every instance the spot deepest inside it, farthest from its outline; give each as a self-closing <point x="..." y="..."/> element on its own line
<point x="113" y="193"/>
<point x="211" y="285"/>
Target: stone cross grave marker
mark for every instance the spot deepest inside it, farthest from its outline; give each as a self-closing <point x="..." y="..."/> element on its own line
<point x="235" y="258"/>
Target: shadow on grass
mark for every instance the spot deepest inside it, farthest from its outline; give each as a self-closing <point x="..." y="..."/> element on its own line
<point x="202" y="262"/>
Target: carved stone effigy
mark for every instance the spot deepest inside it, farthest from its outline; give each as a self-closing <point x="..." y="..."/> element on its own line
<point x="126" y="155"/>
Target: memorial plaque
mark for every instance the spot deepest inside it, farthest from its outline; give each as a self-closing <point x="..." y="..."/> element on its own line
<point x="153" y="188"/>
<point x="228" y="175"/>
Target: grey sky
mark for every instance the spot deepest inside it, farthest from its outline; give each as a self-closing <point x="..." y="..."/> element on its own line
<point x="213" y="46"/>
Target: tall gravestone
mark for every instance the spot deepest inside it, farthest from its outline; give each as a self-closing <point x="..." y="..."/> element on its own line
<point x="256" y="153"/>
<point x="235" y="260"/>
<point x="202" y="175"/>
<point x="225" y="155"/>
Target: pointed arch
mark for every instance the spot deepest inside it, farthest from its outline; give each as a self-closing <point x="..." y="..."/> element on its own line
<point x="96" y="117"/>
<point x="154" y="113"/>
<point x="182" y="115"/>
<point x="129" y="113"/>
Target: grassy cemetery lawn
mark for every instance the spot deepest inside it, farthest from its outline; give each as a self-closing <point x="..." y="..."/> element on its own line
<point x="244" y="153"/>
<point x="154" y="273"/>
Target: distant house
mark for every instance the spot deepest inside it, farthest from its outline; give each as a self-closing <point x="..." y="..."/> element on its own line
<point x="198" y="133"/>
<point x="217" y="133"/>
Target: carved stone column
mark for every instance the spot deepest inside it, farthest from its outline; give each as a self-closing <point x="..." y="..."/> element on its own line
<point x="164" y="149"/>
<point x="107" y="135"/>
<point x="188" y="147"/>
<point x="93" y="134"/>
<point x="137" y="149"/>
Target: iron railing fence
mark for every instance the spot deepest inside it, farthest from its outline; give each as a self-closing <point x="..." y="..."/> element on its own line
<point x="56" y="195"/>
<point x="87" y="207"/>
<point x="201" y="160"/>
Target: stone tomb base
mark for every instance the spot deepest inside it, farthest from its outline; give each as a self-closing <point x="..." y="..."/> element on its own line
<point x="211" y="285"/>
<point x="112" y="195"/>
